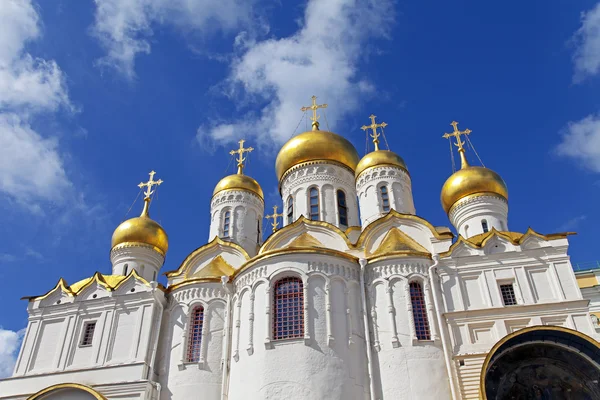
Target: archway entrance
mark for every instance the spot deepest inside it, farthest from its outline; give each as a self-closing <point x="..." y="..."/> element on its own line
<point x="67" y="391"/>
<point x="542" y="362"/>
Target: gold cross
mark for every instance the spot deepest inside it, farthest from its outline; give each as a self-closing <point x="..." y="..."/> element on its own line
<point x="240" y="152"/>
<point x="314" y="107"/>
<point x="274" y="216"/>
<point x="459" y="143"/>
<point x="151" y="182"/>
<point x="374" y="127"/>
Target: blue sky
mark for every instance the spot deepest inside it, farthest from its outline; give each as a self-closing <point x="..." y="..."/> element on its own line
<point x="95" y="94"/>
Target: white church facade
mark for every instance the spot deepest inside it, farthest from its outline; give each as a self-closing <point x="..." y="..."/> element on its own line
<point x="354" y="297"/>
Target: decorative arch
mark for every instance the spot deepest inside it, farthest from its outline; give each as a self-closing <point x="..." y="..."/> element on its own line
<point x="61" y="386"/>
<point x="522" y="358"/>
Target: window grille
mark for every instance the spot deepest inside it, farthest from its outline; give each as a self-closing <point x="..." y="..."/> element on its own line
<point x="88" y="333"/>
<point x="484" y="226"/>
<point x="419" y="311"/>
<point x="288" y="304"/>
<point x="195" y="334"/>
<point x="226" y="224"/>
<point x="508" y="294"/>
<point x="314" y="204"/>
<point x="385" y="199"/>
<point x="342" y="208"/>
<point x="290" y="210"/>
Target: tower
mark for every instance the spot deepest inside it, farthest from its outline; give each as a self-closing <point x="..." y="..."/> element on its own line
<point x="315" y="170"/>
<point x="237" y="207"/>
<point x="382" y="181"/>
<point x="475" y="198"/>
<point x="140" y="243"/>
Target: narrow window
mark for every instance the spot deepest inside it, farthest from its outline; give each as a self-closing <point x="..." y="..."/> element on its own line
<point x="154" y="276"/>
<point x="226" y="224"/>
<point x="88" y="333"/>
<point x="314" y="204"/>
<point x="385" y="199"/>
<point x="484" y="226"/>
<point x="342" y="208"/>
<point x="126" y="268"/>
<point x="508" y="294"/>
<point x="419" y="311"/>
<point x="288" y="304"/>
<point x="258" y="231"/>
<point x="290" y="210"/>
<point x="195" y="334"/>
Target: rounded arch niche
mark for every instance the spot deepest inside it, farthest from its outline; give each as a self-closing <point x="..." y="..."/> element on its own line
<point x="67" y="391"/>
<point x="542" y="362"/>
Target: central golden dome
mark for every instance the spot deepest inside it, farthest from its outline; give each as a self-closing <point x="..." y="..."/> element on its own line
<point x="141" y="230"/>
<point x="471" y="180"/>
<point x="377" y="158"/>
<point x="239" y="181"/>
<point x="315" y="145"/>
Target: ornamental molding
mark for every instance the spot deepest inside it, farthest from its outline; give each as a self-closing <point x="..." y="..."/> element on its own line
<point x="402" y="269"/>
<point x="316" y="172"/>
<point x="248" y="278"/>
<point x="381" y="173"/>
<point x="234" y="196"/>
<point x="125" y="249"/>
<point x="348" y="272"/>
<point x="301" y="168"/>
<point x="474" y="199"/>
<point x="188" y="294"/>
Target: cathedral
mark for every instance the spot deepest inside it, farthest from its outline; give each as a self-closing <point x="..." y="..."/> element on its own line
<point x="351" y="297"/>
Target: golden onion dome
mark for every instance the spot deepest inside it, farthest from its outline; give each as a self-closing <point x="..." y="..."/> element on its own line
<point x="377" y="158"/>
<point x="240" y="182"/>
<point x="141" y="230"/>
<point x="471" y="180"/>
<point x="315" y="145"/>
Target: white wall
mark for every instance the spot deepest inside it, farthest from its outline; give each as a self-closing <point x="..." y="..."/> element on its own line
<point x="142" y="258"/>
<point x="328" y="179"/>
<point x="468" y="214"/>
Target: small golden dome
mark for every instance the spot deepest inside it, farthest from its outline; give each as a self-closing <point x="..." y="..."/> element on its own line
<point x="377" y="158"/>
<point x="239" y="181"/>
<point x="142" y="230"/>
<point x="315" y="145"/>
<point x="471" y="180"/>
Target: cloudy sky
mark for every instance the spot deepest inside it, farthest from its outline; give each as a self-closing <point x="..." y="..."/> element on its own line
<point x="94" y="94"/>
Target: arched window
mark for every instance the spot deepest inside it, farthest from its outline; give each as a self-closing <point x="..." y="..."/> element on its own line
<point x="290" y="210"/>
<point x="195" y="334"/>
<point x="419" y="311"/>
<point x="484" y="226"/>
<point x="385" y="199"/>
<point x="342" y="208"/>
<point x="226" y="223"/>
<point x="314" y="203"/>
<point x="288" y="306"/>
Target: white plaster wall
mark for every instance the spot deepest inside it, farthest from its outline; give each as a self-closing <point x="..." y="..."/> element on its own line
<point x="144" y="259"/>
<point x="68" y="394"/>
<point x="467" y="215"/>
<point x="328" y="178"/>
<point x="181" y="379"/>
<point x="406" y="368"/>
<point x="328" y="362"/>
<point x="247" y="210"/>
<point x="368" y="186"/>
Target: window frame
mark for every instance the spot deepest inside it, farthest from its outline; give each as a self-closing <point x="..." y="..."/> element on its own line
<point x="514" y="293"/>
<point x="422" y="326"/>
<point x="385" y="197"/>
<point x="341" y="207"/>
<point x="485" y="226"/>
<point x="194" y="349"/>
<point x="296" y="307"/>
<point x="290" y="209"/>
<point x="226" y="233"/>
<point x="84" y="334"/>
<point x="318" y="204"/>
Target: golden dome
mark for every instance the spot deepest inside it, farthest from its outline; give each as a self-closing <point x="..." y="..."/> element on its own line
<point x="315" y="145"/>
<point x="471" y="180"/>
<point x="239" y="181"/>
<point x="379" y="157"/>
<point x="142" y="230"/>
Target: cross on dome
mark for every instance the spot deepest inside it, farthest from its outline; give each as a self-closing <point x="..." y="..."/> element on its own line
<point x="151" y="182"/>
<point x="240" y="152"/>
<point x="459" y="143"/>
<point x="314" y="107"/>
<point x="374" y="127"/>
<point x="274" y="217"/>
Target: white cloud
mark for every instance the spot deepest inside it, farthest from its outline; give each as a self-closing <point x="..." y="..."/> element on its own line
<point x="587" y="40"/>
<point x="31" y="167"/>
<point x="321" y="58"/>
<point x="9" y="348"/>
<point x="125" y="26"/>
<point x="581" y="141"/>
<point x="572" y="223"/>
